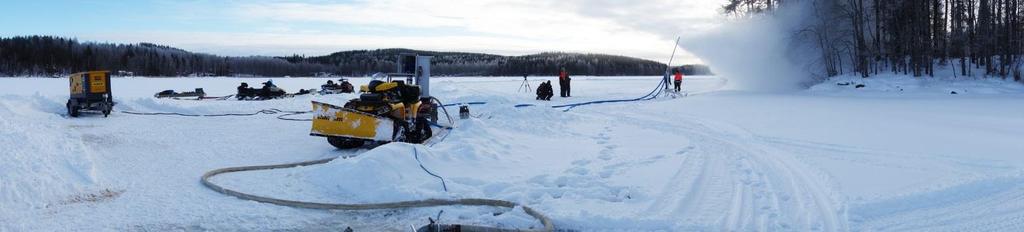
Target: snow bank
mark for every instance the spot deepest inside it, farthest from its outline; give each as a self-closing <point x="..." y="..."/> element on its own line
<point x="896" y="83"/>
<point x="43" y="161"/>
<point x="384" y="174"/>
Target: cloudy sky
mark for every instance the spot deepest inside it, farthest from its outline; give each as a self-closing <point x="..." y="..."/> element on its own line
<point x="639" y="28"/>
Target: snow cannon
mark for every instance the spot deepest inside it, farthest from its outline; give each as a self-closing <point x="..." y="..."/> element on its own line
<point x="386" y="110"/>
<point x="90" y="91"/>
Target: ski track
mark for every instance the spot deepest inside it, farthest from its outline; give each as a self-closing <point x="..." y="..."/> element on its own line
<point x="764" y="188"/>
<point x="986" y="205"/>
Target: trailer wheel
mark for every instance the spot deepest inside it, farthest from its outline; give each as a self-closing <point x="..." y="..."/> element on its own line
<point x="72" y="108"/>
<point x="345" y="143"/>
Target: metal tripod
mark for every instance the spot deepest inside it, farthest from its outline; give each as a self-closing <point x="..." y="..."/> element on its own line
<point x="525" y="86"/>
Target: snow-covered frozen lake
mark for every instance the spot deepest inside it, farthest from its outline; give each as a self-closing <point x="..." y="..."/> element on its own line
<point x="897" y="155"/>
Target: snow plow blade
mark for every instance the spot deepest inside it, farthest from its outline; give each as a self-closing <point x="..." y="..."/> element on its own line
<point x="334" y="121"/>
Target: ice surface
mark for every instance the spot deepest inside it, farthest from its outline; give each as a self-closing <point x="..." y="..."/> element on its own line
<point x="831" y="158"/>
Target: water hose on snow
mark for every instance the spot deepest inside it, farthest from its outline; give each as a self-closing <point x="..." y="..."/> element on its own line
<point x="544" y="220"/>
<point x="649" y="96"/>
<point x="270" y="111"/>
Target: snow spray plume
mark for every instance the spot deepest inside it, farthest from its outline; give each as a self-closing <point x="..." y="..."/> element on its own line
<point x="753" y="53"/>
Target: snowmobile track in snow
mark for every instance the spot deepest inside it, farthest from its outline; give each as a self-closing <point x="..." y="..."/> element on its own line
<point x="763" y="187"/>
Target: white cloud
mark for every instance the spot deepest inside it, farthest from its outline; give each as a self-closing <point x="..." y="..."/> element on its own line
<point x="634" y="28"/>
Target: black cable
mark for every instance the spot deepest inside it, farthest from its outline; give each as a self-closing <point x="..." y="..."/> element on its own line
<point x="282" y="117"/>
<point x="443" y="107"/>
<point x="263" y="111"/>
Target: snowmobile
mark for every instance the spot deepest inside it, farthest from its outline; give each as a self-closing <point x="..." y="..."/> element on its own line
<point x="268" y="92"/>
<point x="384" y="112"/>
<point x="331" y="88"/>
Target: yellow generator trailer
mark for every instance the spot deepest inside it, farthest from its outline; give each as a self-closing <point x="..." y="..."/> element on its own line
<point x="386" y="111"/>
<point x="90" y="91"/>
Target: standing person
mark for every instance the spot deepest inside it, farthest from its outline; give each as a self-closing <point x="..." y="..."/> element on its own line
<point x="563" y="82"/>
<point x="679" y="80"/>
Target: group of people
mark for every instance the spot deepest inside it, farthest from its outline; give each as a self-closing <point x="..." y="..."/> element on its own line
<point x="344" y="87"/>
<point x="545" y="91"/>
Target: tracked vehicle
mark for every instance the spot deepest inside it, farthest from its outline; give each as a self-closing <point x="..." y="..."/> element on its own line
<point x="386" y="111"/>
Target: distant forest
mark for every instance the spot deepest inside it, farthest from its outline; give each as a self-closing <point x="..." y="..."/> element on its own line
<point x="56" y="56"/>
<point x="975" y="37"/>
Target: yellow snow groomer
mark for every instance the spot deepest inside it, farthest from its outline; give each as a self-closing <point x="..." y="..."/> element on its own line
<point x="386" y="111"/>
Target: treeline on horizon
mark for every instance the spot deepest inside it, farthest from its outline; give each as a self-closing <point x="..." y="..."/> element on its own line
<point x="974" y="37"/>
<point x="57" y="56"/>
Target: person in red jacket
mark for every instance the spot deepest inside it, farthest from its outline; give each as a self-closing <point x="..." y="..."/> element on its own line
<point x="679" y="80"/>
<point x="563" y="83"/>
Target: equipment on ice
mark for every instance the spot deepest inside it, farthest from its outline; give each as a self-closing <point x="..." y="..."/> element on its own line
<point x="90" y="91"/>
<point x="198" y="93"/>
<point x="331" y="88"/>
<point x="267" y="92"/>
<point x="386" y="111"/>
<point x="525" y="86"/>
<point x="464" y="112"/>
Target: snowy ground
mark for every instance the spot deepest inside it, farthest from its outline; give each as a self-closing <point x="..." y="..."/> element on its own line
<point x="898" y="154"/>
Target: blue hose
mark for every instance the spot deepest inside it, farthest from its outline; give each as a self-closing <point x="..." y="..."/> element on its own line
<point x="464" y="103"/>
<point x="649" y="96"/>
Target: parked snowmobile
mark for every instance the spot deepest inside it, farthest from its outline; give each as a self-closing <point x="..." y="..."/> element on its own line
<point x="267" y="92"/>
<point x="332" y="88"/>
<point x="270" y="91"/>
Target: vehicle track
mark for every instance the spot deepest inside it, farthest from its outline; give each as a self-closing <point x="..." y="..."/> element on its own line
<point x="743" y="183"/>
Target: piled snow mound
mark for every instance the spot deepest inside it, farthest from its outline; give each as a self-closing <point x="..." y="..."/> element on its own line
<point x="43" y="161"/>
<point x="385" y="174"/>
<point x="894" y="83"/>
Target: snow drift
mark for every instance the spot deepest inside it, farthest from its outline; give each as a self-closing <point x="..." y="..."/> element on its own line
<point x="42" y="160"/>
<point x="384" y="174"/>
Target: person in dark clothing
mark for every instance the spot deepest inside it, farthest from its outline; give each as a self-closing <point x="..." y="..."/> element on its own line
<point x="245" y="92"/>
<point x="544" y="91"/>
<point x="563" y="83"/>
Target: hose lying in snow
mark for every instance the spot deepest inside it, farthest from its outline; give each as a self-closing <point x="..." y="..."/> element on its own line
<point x="649" y="96"/>
<point x="544" y="220"/>
<point x="270" y="111"/>
<point x="263" y="111"/>
<point x="466" y="103"/>
<point x="653" y="94"/>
